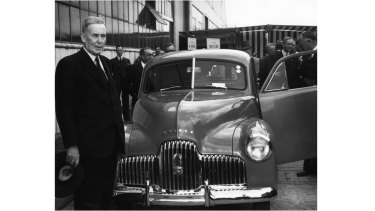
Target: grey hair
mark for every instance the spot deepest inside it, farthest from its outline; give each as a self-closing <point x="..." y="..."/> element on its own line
<point x="142" y="51"/>
<point x="309" y="35"/>
<point x="287" y="38"/>
<point x="91" y="20"/>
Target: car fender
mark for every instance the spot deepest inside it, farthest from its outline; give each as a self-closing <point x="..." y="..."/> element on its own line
<point x="262" y="173"/>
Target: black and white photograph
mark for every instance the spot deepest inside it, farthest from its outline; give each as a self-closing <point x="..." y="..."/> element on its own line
<point x="179" y="105"/>
<point x="186" y="105"/>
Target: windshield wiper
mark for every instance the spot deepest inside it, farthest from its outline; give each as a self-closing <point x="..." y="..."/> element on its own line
<point x="169" y="88"/>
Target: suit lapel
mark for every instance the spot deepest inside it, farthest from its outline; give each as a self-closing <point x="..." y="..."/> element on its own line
<point x="89" y="67"/>
<point x="107" y="69"/>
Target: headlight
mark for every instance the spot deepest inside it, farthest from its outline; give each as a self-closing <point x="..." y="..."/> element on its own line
<point x="258" y="143"/>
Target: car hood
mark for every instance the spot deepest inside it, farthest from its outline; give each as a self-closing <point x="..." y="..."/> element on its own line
<point x="206" y="117"/>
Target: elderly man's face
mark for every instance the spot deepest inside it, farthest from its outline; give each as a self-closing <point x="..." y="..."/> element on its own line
<point x="94" y="38"/>
<point x="289" y="45"/>
<point x="147" y="56"/>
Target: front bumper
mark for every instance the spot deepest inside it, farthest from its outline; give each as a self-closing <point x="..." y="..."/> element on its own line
<point x="206" y="195"/>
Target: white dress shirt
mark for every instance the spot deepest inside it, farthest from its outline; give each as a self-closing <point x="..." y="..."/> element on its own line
<point x="93" y="60"/>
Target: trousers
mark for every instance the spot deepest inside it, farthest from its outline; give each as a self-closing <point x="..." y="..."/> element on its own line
<point x="96" y="190"/>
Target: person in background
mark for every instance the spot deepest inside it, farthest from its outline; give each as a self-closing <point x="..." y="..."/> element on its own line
<point x="266" y="63"/>
<point x="121" y="69"/>
<point x="279" y="46"/>
<point x="170" y="48"/>
<point x="294" y="48"/>
<point x="308" y="67"/>
<point x="137" y="68"/>
<point x="308" y="73"/>
<point x="246" y="47"/>
<point x="158" y="51"/>
<point x="288" y="45"/>
<point x="269" y="49"/>
<point x="88" y="112"/>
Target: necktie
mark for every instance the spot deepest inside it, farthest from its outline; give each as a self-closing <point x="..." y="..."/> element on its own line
<point x="100" y="68"/>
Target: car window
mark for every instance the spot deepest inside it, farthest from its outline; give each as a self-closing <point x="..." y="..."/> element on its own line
<point x="221" y="74"/>
<point x="278" y="80"/>
<point x="294" y="72"/>
<point x="168" y="75"/>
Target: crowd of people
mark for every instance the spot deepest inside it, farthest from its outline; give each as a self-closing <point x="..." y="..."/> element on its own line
<point x="301" y="71"/>
<point x="128" y="76"/>
<point x="92" y="103"/>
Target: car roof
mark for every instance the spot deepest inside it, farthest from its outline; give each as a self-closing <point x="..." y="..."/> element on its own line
<point x="221" y="54"/>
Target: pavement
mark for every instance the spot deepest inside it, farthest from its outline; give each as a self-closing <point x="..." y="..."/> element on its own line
<point x="294" y="193"/>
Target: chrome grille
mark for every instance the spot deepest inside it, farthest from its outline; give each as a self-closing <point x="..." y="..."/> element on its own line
<point x="191" y="166"/>
<point x="218" y="169"/>
<point x="223" y="169"/>
<point x="135" y="170"/>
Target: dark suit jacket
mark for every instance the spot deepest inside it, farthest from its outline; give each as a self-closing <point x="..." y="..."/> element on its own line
<point x="266" y="63"/>
<point x="121" y="73"/>
<point x="308" y="67"/>
<point x="292" y="71"/>
<point x="136" y="77"/>
<point x="88" y="108"/>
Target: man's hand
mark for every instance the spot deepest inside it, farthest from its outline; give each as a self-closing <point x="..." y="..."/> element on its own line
<point x="72" y="156"/>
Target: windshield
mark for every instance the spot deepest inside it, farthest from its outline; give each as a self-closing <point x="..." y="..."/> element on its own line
<point x="208" y="74"/>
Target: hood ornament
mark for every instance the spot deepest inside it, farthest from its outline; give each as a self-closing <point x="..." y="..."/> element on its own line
<point x="177" y="164"/>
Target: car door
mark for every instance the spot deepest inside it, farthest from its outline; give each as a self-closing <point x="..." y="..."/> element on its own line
<point x="290" y="110"/>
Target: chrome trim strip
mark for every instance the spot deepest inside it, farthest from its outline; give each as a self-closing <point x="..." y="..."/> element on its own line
<point x="206" y="195"/>
<point x="193" y="74"/>
<point x="147" y="193"/>
<point x="271" y="90"/>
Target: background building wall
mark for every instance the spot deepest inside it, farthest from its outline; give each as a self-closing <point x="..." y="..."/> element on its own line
<point x="212" y="11"/>
<point x="128" y="23"/>
<point x="181" y="15"/>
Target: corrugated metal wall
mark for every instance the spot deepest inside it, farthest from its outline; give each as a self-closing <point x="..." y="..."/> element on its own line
<point x="257" y="39"/>
<point x="275" y="35"/>
<point x="259" y="36"/>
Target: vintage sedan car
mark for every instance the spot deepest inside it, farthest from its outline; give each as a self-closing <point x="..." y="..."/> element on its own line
<point x="203" y="134"/>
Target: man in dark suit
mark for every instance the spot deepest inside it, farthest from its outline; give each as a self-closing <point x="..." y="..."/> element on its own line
<point x="308" y="68"/>
<point x="137" y="68"/>
<point x="308" y="73"/>
<point x="266" y="63"/>
<point x="121" y="73"/>
<point x="170" y="48"/>
<point x="88" y="112"/>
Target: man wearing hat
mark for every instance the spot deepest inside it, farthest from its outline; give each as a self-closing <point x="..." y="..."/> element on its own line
<point x="89" y="114"/>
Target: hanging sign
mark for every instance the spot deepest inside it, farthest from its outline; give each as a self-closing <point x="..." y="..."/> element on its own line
<point x="192" y="43"/>
<point x="213" y="43"/>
